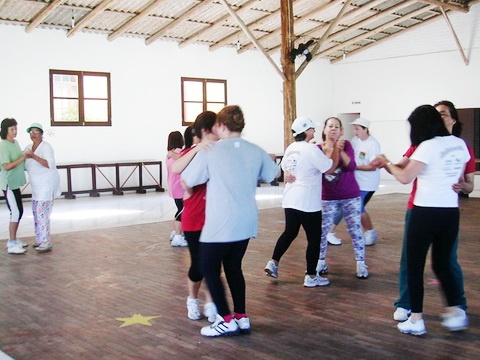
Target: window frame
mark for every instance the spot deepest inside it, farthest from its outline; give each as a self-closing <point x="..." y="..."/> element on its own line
<point x="205" y="82"/>
<point x="81" y="98"/>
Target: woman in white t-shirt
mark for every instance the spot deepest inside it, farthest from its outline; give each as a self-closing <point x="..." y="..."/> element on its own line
<point x="438" y="163"/>
<point x="302" y="199"/>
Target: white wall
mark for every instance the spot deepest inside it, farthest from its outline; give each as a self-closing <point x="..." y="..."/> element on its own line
<point x="145" y="80"/>
<point x="388" y="80"/>
<point x="391" y="79"/>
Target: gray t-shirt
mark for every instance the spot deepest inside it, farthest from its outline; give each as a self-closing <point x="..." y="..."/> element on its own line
<point x="231" y="170"/>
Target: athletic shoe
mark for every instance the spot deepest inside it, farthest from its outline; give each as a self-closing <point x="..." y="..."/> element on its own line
<point x="244" y="325"/>
<point x="16" y="249"/>
<point x="371" y="237"/>
<point x="17" y="241"/>
<point x="179" y="240"/>
<point x="221" y="328"/>
<point x="410" y="327"/>
<point x="210" y="311"/>
<point x="322" y="267"/>
<point x="316" y="281"/>
<point x="193" y="309"/>
<point x="362" y="272"/>
<point x="401" y="314"/>
<point x="333" y="240"/>
<point x="46" y="246"/>
<point x="455" y="321"/>
<point x="271" y="269"/>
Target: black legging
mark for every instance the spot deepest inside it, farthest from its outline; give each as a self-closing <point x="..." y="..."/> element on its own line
<point x="439" y="227"/>
<point x="230" y="255"/>
<point x="14" y="204"/>
<point x="179" y="204"/>
<point x="192" y="238"/>
<point x="312" y="224"/>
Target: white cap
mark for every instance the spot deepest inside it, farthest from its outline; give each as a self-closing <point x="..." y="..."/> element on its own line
<point x="362" y="122"/>
<point x="302" y="124"/>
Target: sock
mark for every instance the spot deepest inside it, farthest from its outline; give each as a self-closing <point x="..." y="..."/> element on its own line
<point x="239" y="316"/>
<point x="228" y="318"/>
<point x="11" y="242"/>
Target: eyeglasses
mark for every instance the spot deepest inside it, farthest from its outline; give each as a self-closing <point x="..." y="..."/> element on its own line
<point x="35" y="132"/>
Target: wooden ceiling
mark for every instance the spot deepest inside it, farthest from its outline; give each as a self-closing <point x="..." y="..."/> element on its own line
<point x="336" y="27"/>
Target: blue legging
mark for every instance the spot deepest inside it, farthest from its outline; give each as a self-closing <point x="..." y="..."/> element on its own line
<point x="403" y="300"/>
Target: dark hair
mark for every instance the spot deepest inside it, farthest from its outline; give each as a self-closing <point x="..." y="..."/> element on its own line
<point x="6" y="123"/>
<point x="426" y="123"/>
<point x="325" y="125"/>
<point x="188" y="136"/>
<point x="204" y="121"/>
<point x="300" y="137"/>
<point x="232" y="117"/>
<point x="457" y="127"/>
<point x="175" y="140"/>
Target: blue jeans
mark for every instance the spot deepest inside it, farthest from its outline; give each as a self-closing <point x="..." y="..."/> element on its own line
<point x="404" y="299"/>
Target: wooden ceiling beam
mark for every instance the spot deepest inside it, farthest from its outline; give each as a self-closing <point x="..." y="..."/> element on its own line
<point x="319" y="43"/>
<point x="270" y="16"/>
<point x="231" y="38"/>
<point x="460" y="49"/>
<point x="375" y="31"/>
<point x="83" y="22"/>
<point x="135" y="20"/>
<point x="369" y="20"/>
<point x="216" y="25"/>
<point x="448" y="6"/>
<point x="317" y="10"/>
<point x="195" y="8"/>
<point x="43" y="14"/>
<point x="347" y="17"/>
<point x="251" y="37"/>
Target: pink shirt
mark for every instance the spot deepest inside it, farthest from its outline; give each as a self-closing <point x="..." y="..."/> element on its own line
<point x="175" y="189"/>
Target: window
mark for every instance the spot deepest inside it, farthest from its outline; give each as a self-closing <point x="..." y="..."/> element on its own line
<point x="80" y="98"/>
<point x="200" y="95"/>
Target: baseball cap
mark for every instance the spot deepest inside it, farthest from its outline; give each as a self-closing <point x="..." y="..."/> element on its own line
<point x="35" y="125"/>
<point x="362" y="122"/>
<point x="302" y="124"/>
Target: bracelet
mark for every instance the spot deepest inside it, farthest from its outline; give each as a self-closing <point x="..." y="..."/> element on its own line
<point x="388" y="163"/>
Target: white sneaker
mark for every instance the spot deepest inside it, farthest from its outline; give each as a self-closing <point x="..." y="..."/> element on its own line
<point x="316" y="281"/>
<point x="179" y="240"/>
<point x="322" y="267"/>
<point x="45" y="247"/>
<point x="16" y="249"/>
<point x="271" y="269"/>
<point x="401" y="314"/>
<point x="333" y="240"/>
<point x="193" y="309"/>
<point x="17" y="241"/>
<point x="371" y="237"/>
<point x="221" y="328"/>
<point x="455" y="321"/>
<point x="244" y="325"/>
<point x="210" y="311"/>
<point x="414" y="328"/>
<point x="362" y="272"/>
